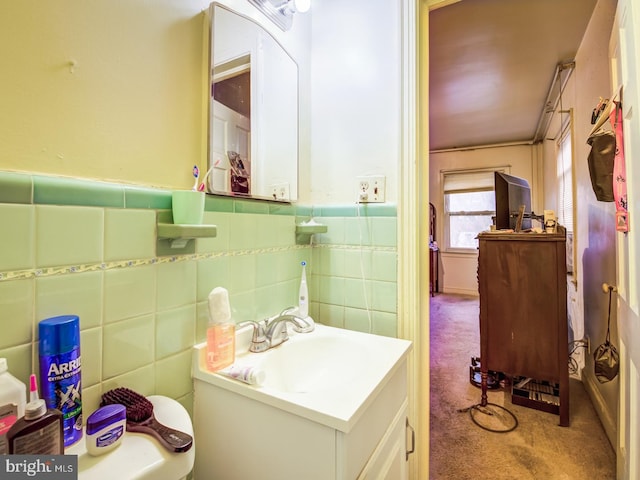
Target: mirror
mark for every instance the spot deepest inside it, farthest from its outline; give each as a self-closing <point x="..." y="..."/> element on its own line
<point x="253" y="111"/>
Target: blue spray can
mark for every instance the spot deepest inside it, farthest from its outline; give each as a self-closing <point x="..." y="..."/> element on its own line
<point x="60" y="371"/>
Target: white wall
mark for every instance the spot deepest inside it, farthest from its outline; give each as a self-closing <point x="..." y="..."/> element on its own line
<point x="355" y="122"/>
<point x="594" y="220"/>
<point x="458" y="271"/>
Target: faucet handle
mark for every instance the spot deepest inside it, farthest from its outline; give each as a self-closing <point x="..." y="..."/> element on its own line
<point x="308" y="325"/>
<point x="259" y="342"/>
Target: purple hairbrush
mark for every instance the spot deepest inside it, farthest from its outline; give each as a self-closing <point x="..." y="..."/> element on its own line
<point x="140" y="419"/>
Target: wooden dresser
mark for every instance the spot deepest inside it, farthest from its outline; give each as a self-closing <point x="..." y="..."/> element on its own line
<point x="523" y="309"/>
<point x="434" y="260"/>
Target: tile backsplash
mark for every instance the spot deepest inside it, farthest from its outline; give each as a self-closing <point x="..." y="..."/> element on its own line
<point x="72" y="246"/>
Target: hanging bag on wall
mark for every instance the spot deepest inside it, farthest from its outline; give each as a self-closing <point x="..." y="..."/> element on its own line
<point x="601" y="161"/>
<point x="606" y="361"/>
<point x="619" y="170"/>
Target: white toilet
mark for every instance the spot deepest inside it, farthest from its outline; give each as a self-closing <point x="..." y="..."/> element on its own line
<point x="141" y="456"/>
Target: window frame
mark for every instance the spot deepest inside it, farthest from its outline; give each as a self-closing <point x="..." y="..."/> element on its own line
<point x="446" y="247"/>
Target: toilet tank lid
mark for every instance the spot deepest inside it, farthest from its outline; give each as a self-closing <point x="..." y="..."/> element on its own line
<point x="141" y="456"/>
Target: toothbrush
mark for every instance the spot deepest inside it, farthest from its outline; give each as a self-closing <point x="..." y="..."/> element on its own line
<point x="196" y="174"/>
<point x="203" y="185"/>
<point x="303" y="295"/>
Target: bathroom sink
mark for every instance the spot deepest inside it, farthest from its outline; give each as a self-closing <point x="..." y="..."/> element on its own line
<point x="329" y="375"/>
<point x="312" y="363"/>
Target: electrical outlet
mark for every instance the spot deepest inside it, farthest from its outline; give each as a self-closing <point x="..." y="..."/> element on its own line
<point x="280" y="191"/>
<point x="371" y="189"/>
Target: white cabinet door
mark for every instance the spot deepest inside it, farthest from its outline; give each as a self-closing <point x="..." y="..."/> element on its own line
<point x="389" y="460"/>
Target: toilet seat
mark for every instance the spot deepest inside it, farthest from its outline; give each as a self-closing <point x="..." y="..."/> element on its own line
<point x="141" y="456"/>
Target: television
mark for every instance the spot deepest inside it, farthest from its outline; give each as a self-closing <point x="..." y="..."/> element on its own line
<point x="511" y="192"/>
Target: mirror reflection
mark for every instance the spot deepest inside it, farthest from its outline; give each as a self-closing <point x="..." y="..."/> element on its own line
<point x="253" y="111"/>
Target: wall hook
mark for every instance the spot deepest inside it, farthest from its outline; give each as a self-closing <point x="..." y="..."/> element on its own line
<point x="606" y="288"/>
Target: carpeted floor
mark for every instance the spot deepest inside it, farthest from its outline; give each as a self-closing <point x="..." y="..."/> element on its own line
<point x="537" y="449"/>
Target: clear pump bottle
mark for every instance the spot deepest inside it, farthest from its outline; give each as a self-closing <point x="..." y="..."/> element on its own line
<point x="221" y="333"/>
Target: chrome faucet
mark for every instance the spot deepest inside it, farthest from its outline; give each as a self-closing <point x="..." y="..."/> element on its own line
<point x="277" y="328"/>
<point x="272" y="332"/>
<point x="259" y="342"/>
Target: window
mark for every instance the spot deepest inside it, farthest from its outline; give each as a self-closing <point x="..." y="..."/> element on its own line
<point x="565" y="181"/>
<point x="564" y="172"/>
<point x="469" y="204"/>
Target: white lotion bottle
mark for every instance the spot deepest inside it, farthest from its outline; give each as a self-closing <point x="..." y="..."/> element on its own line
<point x="303" y="295"/>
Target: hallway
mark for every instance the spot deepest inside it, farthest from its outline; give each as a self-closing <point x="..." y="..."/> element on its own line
<point x="537" y="449"/>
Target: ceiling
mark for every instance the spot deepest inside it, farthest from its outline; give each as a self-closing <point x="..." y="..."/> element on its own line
<point x="492" y="63"/>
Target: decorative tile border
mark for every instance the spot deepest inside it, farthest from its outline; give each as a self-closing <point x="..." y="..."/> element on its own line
<point x="373" y="248"/>
<point x="92" y="267"/>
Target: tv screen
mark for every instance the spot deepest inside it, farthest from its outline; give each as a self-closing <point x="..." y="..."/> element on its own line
<point x="511" y="192"/>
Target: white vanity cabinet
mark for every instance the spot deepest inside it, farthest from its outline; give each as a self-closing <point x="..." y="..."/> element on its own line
<point x="243" y="432"/>
<point x="239" y="438"/>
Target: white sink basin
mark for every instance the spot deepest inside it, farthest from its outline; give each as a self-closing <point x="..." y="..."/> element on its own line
<point x="329" y="375"/>
<point x="312" y="363"/>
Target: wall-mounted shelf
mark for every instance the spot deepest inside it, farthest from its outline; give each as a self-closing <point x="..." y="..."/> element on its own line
<point x="175" y="239"/>
<point x="305" y="230"/>
<point x="179" y="235"/>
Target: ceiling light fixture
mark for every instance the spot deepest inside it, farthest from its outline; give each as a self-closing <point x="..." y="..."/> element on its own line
<point x="281" y="12"/>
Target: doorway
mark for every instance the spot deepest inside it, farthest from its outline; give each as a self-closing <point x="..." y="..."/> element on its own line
<point x="487" y="145"/>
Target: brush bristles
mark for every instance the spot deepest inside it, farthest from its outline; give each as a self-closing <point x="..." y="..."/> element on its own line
<point x="139" y="408"/>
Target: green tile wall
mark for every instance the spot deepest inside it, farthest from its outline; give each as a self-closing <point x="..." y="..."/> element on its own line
<point x="354" y="278"/>
<point x="89" y="248"/>
<point x="16" y="243"/>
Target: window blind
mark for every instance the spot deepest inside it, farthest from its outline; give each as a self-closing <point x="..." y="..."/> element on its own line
<point x="565" y="181"/>
<point x="468" y="181"/>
